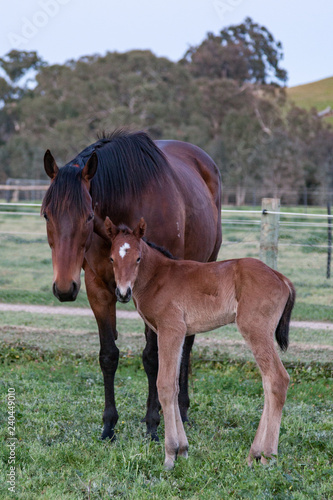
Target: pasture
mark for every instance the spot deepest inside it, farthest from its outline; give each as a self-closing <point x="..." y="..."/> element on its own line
<point x="52" y="362"/>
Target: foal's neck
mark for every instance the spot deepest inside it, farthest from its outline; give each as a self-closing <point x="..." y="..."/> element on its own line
<point x="151" y="262"/>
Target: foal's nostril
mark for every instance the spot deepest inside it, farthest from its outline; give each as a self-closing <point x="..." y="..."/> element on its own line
<point x="124" y="297"/>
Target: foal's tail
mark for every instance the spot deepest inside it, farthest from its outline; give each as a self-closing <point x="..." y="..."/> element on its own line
<point x="282" y="330"/>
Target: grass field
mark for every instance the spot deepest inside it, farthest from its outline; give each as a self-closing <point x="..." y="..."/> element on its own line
<point x="58" y="423"/>
<point x="52" y="363"/>
<point x="313" y="95"/>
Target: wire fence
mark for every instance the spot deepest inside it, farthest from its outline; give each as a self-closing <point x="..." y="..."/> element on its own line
<point x="25" y="257"/>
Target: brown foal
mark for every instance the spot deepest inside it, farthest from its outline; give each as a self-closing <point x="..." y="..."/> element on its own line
<point x="177" y="298"/>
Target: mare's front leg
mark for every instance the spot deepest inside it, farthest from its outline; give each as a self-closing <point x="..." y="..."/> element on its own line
<point x="103" y="304"/>
<point x="150" y="363"/>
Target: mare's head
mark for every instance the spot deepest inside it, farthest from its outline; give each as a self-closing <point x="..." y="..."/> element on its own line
<point x="67" y="208"/>
<point x="125" y="256"/>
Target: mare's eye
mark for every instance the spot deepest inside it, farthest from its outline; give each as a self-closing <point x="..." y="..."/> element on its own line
<point x="90" y="217"/>
<point x="138" y="260"/>
<point x="45" y="216"/>
<point x="111" y="259"/>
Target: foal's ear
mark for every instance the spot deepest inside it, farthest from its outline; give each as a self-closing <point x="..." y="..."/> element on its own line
<point x="111" y="229"/>
<point x="89" y="170"/>
<point x="50" y="165"/>
<point x="140" y="229"/>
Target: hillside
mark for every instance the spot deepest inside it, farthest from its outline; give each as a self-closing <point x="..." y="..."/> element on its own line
<point x="317" y="94"/>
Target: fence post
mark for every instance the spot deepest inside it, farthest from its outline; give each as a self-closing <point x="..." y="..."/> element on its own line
<point x="329" y="240"/>
<point x="269" y="233"/>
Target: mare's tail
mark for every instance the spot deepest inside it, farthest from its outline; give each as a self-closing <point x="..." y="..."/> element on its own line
<point x="282" y="330"/>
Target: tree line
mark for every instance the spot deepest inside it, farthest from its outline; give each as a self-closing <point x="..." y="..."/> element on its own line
<point x="226" y="95"/>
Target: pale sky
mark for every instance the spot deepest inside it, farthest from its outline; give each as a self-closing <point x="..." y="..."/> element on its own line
<point x="65" y="29"/>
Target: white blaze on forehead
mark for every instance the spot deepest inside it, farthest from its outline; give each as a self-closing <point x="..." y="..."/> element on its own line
<point x="123" y="249"/>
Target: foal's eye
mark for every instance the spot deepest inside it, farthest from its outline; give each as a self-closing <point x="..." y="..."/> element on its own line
<point x="138" y="260"/>
<point x="90" y="217"/>
<point x="111" y="260"/>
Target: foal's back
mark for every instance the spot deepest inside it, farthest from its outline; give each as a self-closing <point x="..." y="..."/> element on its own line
<point x="209" y="295"/>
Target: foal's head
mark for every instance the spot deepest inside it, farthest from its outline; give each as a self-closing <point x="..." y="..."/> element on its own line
<point x="125" y="256"/>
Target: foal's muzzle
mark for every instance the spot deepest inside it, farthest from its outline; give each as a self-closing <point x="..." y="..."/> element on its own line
<point x="124" y="296"/>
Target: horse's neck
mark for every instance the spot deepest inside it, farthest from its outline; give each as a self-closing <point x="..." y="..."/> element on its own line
<point x="151" y="261"/>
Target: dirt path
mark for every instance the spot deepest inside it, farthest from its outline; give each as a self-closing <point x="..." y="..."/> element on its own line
<point x="79" y="311"/>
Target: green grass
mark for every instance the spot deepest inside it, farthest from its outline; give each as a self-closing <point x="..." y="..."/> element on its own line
<point x="317" y="95"/>
<point x="58" y="424"/>
<point x="53" y="365"/>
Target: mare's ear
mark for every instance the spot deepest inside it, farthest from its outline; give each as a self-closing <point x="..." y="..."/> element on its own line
<point x="89" y="170"/>
<point x="50" y="165"/>
<point x="140" y="229"/>
<point x="111" y="229"/>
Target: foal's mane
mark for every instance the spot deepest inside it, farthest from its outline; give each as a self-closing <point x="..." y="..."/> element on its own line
<point x="162" y="250"/>
<point x="128" y="163"/>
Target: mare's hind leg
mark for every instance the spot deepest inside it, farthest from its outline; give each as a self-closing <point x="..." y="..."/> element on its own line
<point x="150" y="363"/>
<point x="183" y="398"/>
<point x="259" y="334"/>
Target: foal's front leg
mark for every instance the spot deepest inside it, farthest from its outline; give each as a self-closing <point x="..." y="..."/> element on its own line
<point x="170" y="344"/>
<point x="150" y="363"/>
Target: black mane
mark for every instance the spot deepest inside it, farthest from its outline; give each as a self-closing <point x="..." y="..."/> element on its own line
<point x="128" y="162"/>
<point x="162" y="250"/>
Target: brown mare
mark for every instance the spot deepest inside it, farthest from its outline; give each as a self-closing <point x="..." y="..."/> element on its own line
<point x="175" y="186"/>
<point x="179" y="298"/>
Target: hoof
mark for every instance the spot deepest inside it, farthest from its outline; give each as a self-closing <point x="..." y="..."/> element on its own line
<point x="169" y="464"/>
<point x="252" y="457"/>
<point x="184" y="416"/>
<point x="153" y="436"/>
<point x="108" y="434"/>
<point x="260" y="457"/>
<point x="183" y="452"/>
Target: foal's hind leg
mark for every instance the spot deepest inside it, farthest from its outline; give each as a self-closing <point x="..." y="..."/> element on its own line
<point x="259" y="334"/>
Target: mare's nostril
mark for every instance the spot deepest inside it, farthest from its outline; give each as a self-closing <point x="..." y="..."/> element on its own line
<point x="66" y="295"/>
<point x="55" y="291"/>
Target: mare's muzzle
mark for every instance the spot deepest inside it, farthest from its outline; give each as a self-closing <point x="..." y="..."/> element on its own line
<point x="66" y="295"/>
<point x="124" y="295"/>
